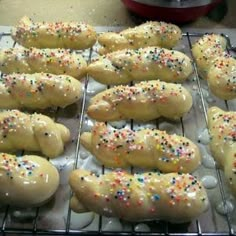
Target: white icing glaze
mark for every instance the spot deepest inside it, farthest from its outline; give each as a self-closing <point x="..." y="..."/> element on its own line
<point x="25" y="214"/>
<point x="209" y="181"/>
<point x="95" y="87"/>
<point x="64" y="166"/>
<point x="118" y="124"/>
<point x="113" y="224"/>
<point x="208" y="161"/>
<point x="204" y="136"/>
<point x="168" y="127"/>
<point x="142" y="228"/>
<point x="88" y="124"/>
<point x="82" y="220"/>
<point x="83" y="153"/>
<point x="222" y="208"/>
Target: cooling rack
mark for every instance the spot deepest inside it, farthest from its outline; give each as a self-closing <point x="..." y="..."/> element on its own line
<point x="56" y="218"/>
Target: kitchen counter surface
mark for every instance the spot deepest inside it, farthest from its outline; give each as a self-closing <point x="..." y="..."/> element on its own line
<point x="100" y="12"/>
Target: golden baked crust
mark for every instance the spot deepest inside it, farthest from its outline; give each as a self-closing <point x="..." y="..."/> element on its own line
<point x="222" y="127"/>
<point x="145" y="148"/>
<point x="33" y="60"/>
<point x="151" y="33"/>
<point x="34" y="132"/>
<point x="26" y="181"/>
<point x="38" y="91"/>
<point x="173" y="197"/>
<point x="143" y="101"/>
<point x="71" y="35"/>
<point x="150" y="63"/>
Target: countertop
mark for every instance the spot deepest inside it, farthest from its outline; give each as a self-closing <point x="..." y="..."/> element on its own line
<point x="101" y="13"/>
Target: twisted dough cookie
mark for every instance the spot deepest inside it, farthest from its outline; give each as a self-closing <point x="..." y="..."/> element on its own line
<point x="144" y="101"/>
<point x="34" y="132"/>
<point x="218" y="67"/>
<point x="70" y="35"/>
<point x="222" y="127"/>
<point x="221" y="77"/>
<point x="145" y="148"/>
<point x="149" y="63"/>
<point x="206" y="50"/>
<point x="151" y="33"/>
<point x="26" y="181"/>
<point x="150" y="196"/>
<point x="33" y="60"/>
<point x="38" y="91"/>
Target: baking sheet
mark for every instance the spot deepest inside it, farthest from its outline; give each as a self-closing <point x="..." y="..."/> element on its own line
<point x="56" y="217"/>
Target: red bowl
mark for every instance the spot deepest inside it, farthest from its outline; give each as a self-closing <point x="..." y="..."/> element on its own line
<point x="169" y="14"/>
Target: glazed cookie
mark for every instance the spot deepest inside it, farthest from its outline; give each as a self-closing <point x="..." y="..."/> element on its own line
<point x="26" y="181"/>
<point x="33" y="60"/>
<point x="221" y="78"/>
<point x="36" y="132"/>
<point x="206" y="50"/>
<point x="124" y="66"/>
<point x="145" y="148"/>
<point x="38" y="91"/>
<point x="71" y="35"/>
<point x="144" y="101"/>
<point x="151" y="33"/>
<point x="172" y="197"/>
<point x="221" y="126"/>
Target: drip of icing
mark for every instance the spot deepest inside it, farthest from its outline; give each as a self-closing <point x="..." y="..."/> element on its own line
<point x="146" y="126"/>
<point x="204" y="137"/>
<point x="64" y="166"/>
<point x="88" y="124"/>
<point x="208" y="161"/>
<point x="222" y="208"/>
<point x="26" y="214"/>
<point x="83" y="153"/>
<point x="142" y="228"/>
<point x="82" y="220"/>
<point x="118" y="124"/>
<point x="209" y="181"/>
<point x="95" y="87"/>
<point x="113" y="224"/>
<point x="169" y="128"/>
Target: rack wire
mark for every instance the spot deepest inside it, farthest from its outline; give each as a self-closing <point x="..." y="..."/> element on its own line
<point x="31" y="225"/>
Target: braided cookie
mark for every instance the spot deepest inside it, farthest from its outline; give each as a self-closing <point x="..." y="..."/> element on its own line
<point x="122" y="67"/>
<point x="206" y="50"/>
<point x="145" y="148"/>
<point x="71" y="35"/>
<point x="221" y="78"/>
<point x="34" y="132"/>
<point x="150" y="196"/>
<point x="151" y="33"/>
<point x="26" y="181"/>
<point x="222" y="128"/>
<point x="38" y="91"/>
<point x="33" y="60"/>
<point x="144" y="101"/>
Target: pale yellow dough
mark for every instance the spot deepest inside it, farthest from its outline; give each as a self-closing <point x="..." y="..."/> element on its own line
<point x="33" y="60"/>
<point x="26" y="181"/>
<point x="150" y="196"/>
<point x="206" y="50"/>
<point x="36" y="132"/>
<point x="151" y="33"/>
<point x="145" y="148"/>
<point x="71" y="35"/>
<point x="38" y="91"/>
<point x="221" y="126"/>
<point x="144" y="101"/>
<point x="150" y="63"/>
